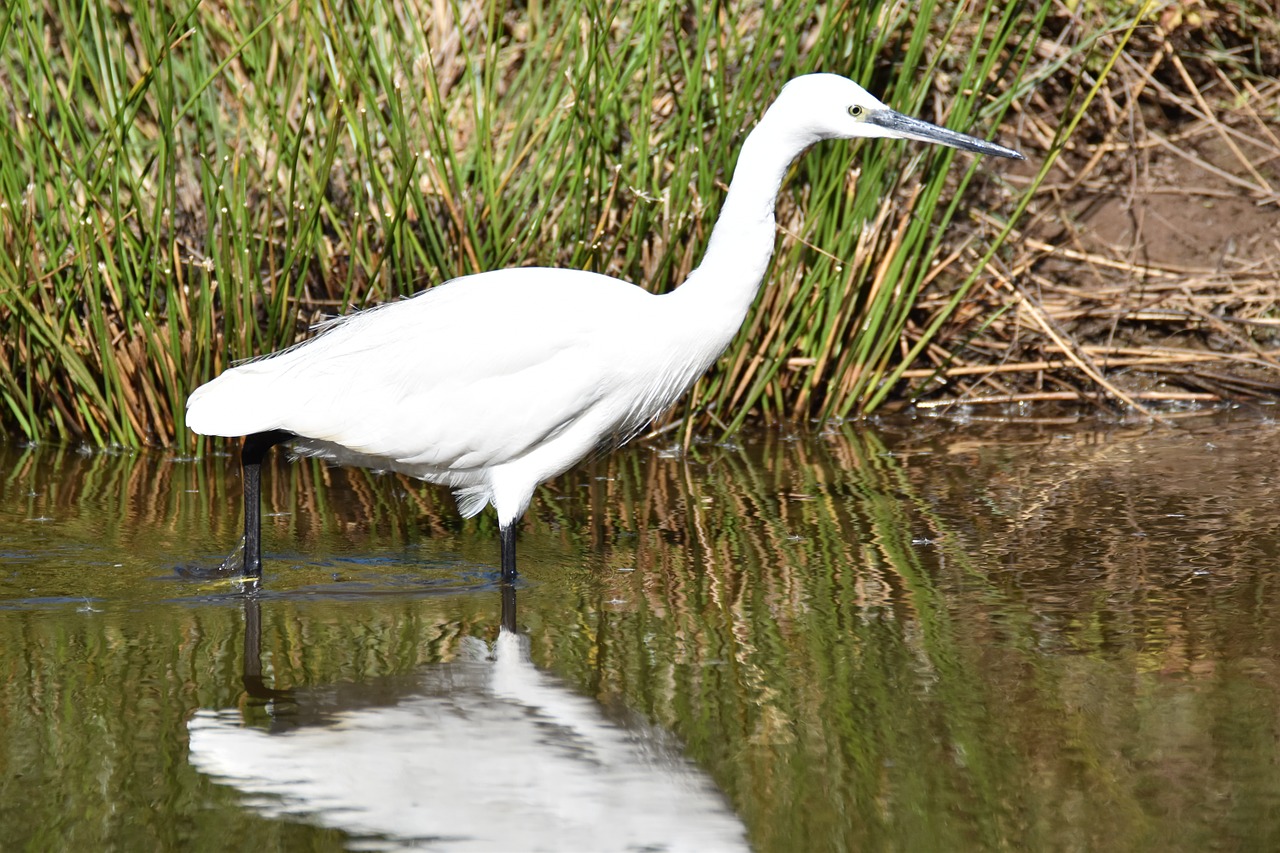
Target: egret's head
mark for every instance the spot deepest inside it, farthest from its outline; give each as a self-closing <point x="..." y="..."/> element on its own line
<point x="829" y="106"/>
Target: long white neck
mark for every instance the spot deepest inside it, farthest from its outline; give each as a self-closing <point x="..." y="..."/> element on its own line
<point x="720" y="291"/>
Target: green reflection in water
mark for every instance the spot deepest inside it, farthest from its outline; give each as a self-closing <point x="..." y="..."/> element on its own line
<point x="922" y="637"/>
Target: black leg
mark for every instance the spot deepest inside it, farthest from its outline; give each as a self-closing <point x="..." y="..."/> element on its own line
<point x="509" y="607"/>
<point x="251" y="456"/>
<point x="508" y="537"/>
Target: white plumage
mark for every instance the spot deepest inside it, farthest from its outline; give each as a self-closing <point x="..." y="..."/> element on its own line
<point x="490" y="406"/>
<point x="493" y="383"/>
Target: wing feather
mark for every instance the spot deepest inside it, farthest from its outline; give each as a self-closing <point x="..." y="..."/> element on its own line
<point x="465" y="375"/>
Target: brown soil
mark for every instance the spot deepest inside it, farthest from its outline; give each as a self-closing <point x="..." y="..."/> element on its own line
<point x="1152" y="273"/>
<point x="1175" y="212"/>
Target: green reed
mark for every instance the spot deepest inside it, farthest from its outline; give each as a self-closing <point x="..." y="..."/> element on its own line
<point x="186" y="184"/>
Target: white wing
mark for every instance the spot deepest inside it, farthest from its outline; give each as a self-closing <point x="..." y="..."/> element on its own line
<point x="468" y="374"/>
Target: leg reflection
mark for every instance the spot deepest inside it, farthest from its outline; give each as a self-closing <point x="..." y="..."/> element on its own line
<point x="252" y="678"/>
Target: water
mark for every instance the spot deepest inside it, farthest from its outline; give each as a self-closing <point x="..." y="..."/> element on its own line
<point x="914" y="636"/>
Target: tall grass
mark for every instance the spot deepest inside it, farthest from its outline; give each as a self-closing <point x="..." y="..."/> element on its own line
<point x="185" y="184"/>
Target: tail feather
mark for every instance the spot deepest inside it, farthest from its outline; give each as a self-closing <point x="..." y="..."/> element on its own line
<point x="471" y="499"/>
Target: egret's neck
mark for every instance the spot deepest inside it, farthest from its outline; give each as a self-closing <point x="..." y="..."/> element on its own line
<point x="724" y="285"/>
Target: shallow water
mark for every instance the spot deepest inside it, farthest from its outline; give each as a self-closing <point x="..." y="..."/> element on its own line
<point x="914" y="635"/>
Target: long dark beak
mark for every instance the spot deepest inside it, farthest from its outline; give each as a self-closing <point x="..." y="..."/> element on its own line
<point x="913" y="128"/>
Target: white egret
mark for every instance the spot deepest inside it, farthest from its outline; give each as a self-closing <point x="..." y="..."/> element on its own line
<point x="493" y="383"/>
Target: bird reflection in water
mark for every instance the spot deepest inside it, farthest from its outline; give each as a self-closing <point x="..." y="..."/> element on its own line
<point x="485" y="752"/>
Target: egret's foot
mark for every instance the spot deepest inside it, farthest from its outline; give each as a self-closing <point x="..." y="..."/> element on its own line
<point x="229" y="571"/>
<point x="258" y="691"/>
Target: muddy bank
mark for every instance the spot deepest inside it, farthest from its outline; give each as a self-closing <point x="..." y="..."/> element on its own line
<point x="1149" y="270"/>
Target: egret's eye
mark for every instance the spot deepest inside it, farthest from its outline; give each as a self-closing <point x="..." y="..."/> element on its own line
<point x="855" y="111"/>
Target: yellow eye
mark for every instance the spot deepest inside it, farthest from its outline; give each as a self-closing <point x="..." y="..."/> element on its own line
<point x="855" y="111"/>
